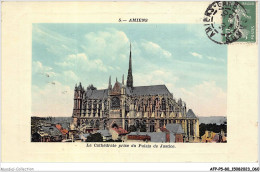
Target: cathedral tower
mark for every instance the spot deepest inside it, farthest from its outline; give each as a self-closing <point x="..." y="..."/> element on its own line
<point x="130" y="76"/>
<point x="78" y="96"/>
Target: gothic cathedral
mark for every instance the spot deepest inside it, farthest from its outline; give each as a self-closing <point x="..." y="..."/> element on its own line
<point x="124" y="105"/>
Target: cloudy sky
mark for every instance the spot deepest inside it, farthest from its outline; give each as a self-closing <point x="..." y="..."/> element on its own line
<point x="178" y="55"/>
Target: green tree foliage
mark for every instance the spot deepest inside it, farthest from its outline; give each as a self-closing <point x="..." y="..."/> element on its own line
<point x="36" y="137"/>
<point x="97" y="137"/>
<point x="132" y="128"/>
<point x="34" y="125"/>
<point x="212" y="127"/>
<point x="111" y="140"/>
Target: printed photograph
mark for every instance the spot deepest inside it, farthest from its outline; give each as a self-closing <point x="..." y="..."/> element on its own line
<point x="164" y="83"/>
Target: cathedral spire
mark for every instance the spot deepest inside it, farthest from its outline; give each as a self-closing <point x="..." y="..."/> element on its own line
<point x="130" y="76"/>
<point x="123" y="80"/>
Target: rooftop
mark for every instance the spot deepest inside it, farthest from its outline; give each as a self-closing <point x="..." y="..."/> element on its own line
<point x="175" y="128"/>
<point x="105" y="133"/>
<point x="120" y="130"/>
<point x="140" y="90"/>
<point x="150" y="90"/>
<point x="190" y="114"/>
<point x="52" y="131"/>
<point x="62" y="130"/>
<point x="97" y="94"/>
<point x="155" y="136"/>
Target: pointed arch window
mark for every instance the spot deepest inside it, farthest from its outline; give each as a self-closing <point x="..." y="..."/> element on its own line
<point x="152" y="126"/>
<point x="115" y="102"/>
<point x="163" y="104"/>
<point x="89" y="105"/>
<point x="105" y="105"/>
<point x="161" y="123"/>
<point x="91" y="123"/>
<point x="126" y="125"/>
<point x="97" y="124"/>
<point x="137" y="123"/>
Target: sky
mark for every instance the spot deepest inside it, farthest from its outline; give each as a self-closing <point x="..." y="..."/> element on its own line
<point x="181" y="56"/>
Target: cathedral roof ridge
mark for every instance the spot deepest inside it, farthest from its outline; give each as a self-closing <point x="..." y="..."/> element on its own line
<point x="150" y="90"/>
<point x="150" y="85"/>
<point x="97" y="94"/>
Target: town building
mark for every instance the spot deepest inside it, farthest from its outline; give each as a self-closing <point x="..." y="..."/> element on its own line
<point x="106" y="135"/>
<point x="47" y="134"/>
<point x="172" y="133"/>
<point x="138" y="137"/>
<point x="64" y="132"/>
<point x="212" y="137"/>
<point x="118" y="133"/>
<point x="83" y="136"/>
<point x="176" y="132"/>
<point x="156" y="137"/>
<point x="124" y="105"/>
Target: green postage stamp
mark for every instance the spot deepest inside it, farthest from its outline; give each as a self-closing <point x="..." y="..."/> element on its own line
<point x="237" y="21"/>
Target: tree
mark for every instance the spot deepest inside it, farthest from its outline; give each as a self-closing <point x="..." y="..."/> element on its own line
<point x="202" y="129"/>
<point x="132" y="128"/>
<point x="97" y="137"/>
<point x="91" y="87"/>
<point x="36" y="137"/>
<point x="111" y="140"/>
<point x="212" y="127"/>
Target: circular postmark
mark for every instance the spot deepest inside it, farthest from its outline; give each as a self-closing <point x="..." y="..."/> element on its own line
<point x="223" y="21"/>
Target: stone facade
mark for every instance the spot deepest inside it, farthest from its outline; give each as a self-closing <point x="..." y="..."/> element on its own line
<point x="124" y="105"/>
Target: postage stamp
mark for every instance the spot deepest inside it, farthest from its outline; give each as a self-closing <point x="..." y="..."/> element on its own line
<point x="231" y="21"/>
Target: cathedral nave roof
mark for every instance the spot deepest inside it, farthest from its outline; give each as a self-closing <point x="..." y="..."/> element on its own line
<point x="150" y="90"/>
<point x="97" y="94"/>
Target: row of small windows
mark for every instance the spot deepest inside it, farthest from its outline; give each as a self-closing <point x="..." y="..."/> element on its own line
<point x="115" y="103"/>
<point x="143" y="104"/>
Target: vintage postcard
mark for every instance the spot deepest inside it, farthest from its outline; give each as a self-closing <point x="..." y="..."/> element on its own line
<point x="113" y="81"/>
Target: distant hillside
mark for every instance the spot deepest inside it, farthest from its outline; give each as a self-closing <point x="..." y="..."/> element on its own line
<point x="213" y="119"/>
<point x="61" y="119"/>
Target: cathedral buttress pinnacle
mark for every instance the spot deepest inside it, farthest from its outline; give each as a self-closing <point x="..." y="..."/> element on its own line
<point x="109" y="83"/>
<point x="130" y="76"/>
<point x="123" y="80"/>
